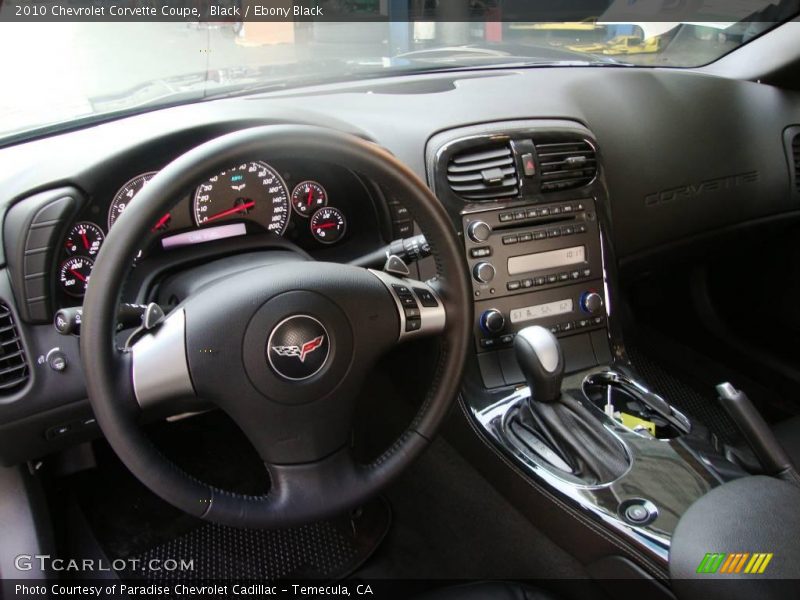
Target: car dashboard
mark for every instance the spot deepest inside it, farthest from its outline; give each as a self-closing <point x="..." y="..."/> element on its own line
<point x="654" y="171"/>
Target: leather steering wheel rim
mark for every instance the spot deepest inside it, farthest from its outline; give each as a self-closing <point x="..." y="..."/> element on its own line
<point x="317" y="490"/>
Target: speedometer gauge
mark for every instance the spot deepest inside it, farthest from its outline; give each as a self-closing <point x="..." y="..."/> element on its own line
<point x="252" y="191"/>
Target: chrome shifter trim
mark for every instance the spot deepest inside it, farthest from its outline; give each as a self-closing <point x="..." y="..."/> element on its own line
<point x="658" y="473"/>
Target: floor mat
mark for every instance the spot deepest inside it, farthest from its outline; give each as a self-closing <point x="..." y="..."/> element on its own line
<point x="326" y="550"/>
<point x="128" y="521"/>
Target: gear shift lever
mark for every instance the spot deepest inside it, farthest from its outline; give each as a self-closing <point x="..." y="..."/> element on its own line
<point x="542" y="361"/>
<point x="580" y="443"/>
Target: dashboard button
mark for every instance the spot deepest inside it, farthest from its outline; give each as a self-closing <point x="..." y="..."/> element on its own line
<point x="483" y="272"/>
<point x="403" y="229"/>
<point x="509" y="239"/>
<point x="528" y="165"/>
<point x="413" y="325"/>
<point x="426" y="298"/>
<point x="479" y="232"/>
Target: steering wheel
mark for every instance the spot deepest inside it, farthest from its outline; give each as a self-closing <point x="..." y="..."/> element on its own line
<point x="281" y="348"/>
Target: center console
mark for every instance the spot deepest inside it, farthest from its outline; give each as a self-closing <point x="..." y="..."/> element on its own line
<point x="531" y="204"/>
<point x="540" y="264"/>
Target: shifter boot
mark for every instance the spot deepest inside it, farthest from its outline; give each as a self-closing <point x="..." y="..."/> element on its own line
<point x="577" y="437"/>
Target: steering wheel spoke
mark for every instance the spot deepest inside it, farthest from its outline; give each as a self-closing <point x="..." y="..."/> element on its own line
<point x="420" y="309"/>
<point x="159" y="365"/>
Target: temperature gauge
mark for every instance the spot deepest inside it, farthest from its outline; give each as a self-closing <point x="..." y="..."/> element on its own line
<point x="307" y="197"/>
<point x="328" y="225"/>
<point x="74" y="273"/>
<point x="84" y="238"/>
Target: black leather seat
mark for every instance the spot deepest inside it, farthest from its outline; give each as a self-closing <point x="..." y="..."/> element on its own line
<point x="488" y="591"/>
<point x="788" y="434"/>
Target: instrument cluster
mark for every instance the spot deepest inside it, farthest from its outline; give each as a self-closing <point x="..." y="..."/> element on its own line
<point x="250" y="197"/>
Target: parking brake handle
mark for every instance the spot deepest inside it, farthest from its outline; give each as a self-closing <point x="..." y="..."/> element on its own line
<point x="759" y="436"/>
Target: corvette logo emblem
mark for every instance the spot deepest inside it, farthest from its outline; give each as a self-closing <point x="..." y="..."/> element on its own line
<point x="300" y="351"/>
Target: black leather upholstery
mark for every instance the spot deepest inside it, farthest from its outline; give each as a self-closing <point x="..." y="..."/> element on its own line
<point x="788" y="434"/>
<point x="488" y="591"/>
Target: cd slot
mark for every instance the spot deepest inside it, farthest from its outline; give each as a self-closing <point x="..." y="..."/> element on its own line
<point x="536" y="222"/>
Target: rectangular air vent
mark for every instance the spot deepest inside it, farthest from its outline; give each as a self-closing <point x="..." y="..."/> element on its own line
<point x="796" y="158"/>
<point x="484" y="173"/>
<point x="13" y="365"/>
<point x="566" y="165"/>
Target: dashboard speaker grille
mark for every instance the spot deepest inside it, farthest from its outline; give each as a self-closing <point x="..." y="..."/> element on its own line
<point x="796" y="159"/>
<point x="14" y="371"/>
<point x="484" y="173"/>
<point x="566" y="165"/>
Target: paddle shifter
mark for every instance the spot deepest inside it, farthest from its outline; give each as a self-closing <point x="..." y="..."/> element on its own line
<point x="556" y="425"/>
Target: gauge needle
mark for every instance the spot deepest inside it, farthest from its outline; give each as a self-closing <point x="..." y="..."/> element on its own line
<point x="327" y="225"/>
<point x="161" y="222"/>
<point x="85" y="241"/>
<point x="310" y="197"/>
<point x="78" y="275"/>
<point x="231" y="211"/>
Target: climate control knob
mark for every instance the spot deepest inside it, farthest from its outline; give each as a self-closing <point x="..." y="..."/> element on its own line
<point x="479" y="232"/>
<point x="492" y="321"/>
<point x="591" y="302"/>
<point x="483" y="272"/>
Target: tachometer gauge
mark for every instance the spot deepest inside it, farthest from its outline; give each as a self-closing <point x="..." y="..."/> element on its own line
<point x="252" y="191"/>
<point x="74" y="273"/>
<point x="85" y="239"/>
<point x="307" y="197"/>
<point x="127" y="193"/>
<point x="328" y="225"/>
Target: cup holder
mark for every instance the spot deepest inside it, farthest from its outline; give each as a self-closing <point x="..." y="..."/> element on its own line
<point x="635" y="407"/>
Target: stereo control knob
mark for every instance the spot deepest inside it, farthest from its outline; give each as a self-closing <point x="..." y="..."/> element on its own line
<point x="492" y="321"/>
<point x="483" y="272"/>
<point x="591" y="302"/>
<point x="479" y="232"/>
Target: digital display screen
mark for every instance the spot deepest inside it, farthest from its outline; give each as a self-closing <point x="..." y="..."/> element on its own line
<point x="546" y="260"/>
<point x="541" y="311"/>
<point x="202" y="236"/>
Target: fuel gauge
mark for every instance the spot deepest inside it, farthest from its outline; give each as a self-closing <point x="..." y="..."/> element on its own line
<point x="328" y="225"/>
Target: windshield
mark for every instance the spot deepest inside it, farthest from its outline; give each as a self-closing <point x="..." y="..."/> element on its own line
<point x="65" y="62"/>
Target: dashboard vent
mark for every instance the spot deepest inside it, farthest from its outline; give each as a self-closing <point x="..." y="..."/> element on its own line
<point x="484" y="173"/>
<point x="13" y="365"/>
<point x="796" y="158"/>
<point x="566" y="165"/>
